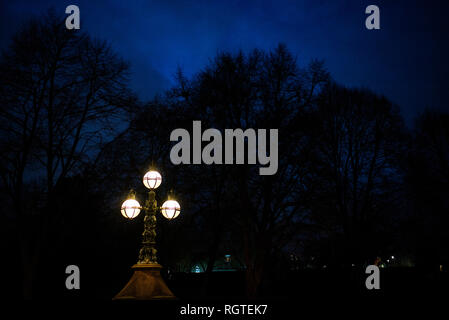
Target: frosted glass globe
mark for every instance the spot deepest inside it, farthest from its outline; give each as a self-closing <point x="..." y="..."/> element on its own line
<point x="152" y="179"/>
<point x="171" y="209"/>
<point x="130" y="209"/>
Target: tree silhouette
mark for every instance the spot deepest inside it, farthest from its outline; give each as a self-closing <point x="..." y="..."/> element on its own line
<point x="62" y="95"/>
<point x="428" y="189"/>
<point x="361" y="140"/>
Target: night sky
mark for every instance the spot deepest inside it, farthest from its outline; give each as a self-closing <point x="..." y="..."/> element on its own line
<point x="406" y="60"/>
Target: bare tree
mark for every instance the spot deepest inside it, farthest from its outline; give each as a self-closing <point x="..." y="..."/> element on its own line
<point x="258" y="90"/>
<point x="428" y="187"/>
<point x="360" y="142"/>
<point x="62" y="95"/>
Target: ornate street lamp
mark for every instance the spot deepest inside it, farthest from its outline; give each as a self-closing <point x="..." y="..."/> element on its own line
<point x="146" y="282"/>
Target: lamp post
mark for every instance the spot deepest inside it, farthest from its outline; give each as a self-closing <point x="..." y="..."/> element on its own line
<point x="146" y="282"/>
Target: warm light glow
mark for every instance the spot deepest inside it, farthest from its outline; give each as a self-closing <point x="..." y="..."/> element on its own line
<point x="152" y="179"/>
<point x="170" y="209"/>
<point x="130" y="209"/>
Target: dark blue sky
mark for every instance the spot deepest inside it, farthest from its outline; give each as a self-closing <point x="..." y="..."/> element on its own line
<point x="407" y="60"/>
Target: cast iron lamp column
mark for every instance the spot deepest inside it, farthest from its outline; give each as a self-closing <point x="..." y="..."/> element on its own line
<point x="146" y="282"/>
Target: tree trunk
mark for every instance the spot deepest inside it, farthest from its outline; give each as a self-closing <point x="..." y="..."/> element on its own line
<point x="253" y="279"/>
<point x="27" y="281"/>
<point x="211" y="260"/>
<point x="27" y="269"/>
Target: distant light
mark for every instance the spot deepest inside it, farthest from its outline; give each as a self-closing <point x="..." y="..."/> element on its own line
<point x="392" y="257"/>
<point x="353" y="265"/>
<point x="197" y="269"/>
<point x="388" y="260"/>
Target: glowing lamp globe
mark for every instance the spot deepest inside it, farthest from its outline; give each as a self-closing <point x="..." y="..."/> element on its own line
<point x="152" y="179"/>
<point x="130" y="209"/>
<point x="170" y="209"/>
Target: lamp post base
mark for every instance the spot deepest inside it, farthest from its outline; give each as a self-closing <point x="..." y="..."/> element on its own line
<point x="145" y="284"/>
